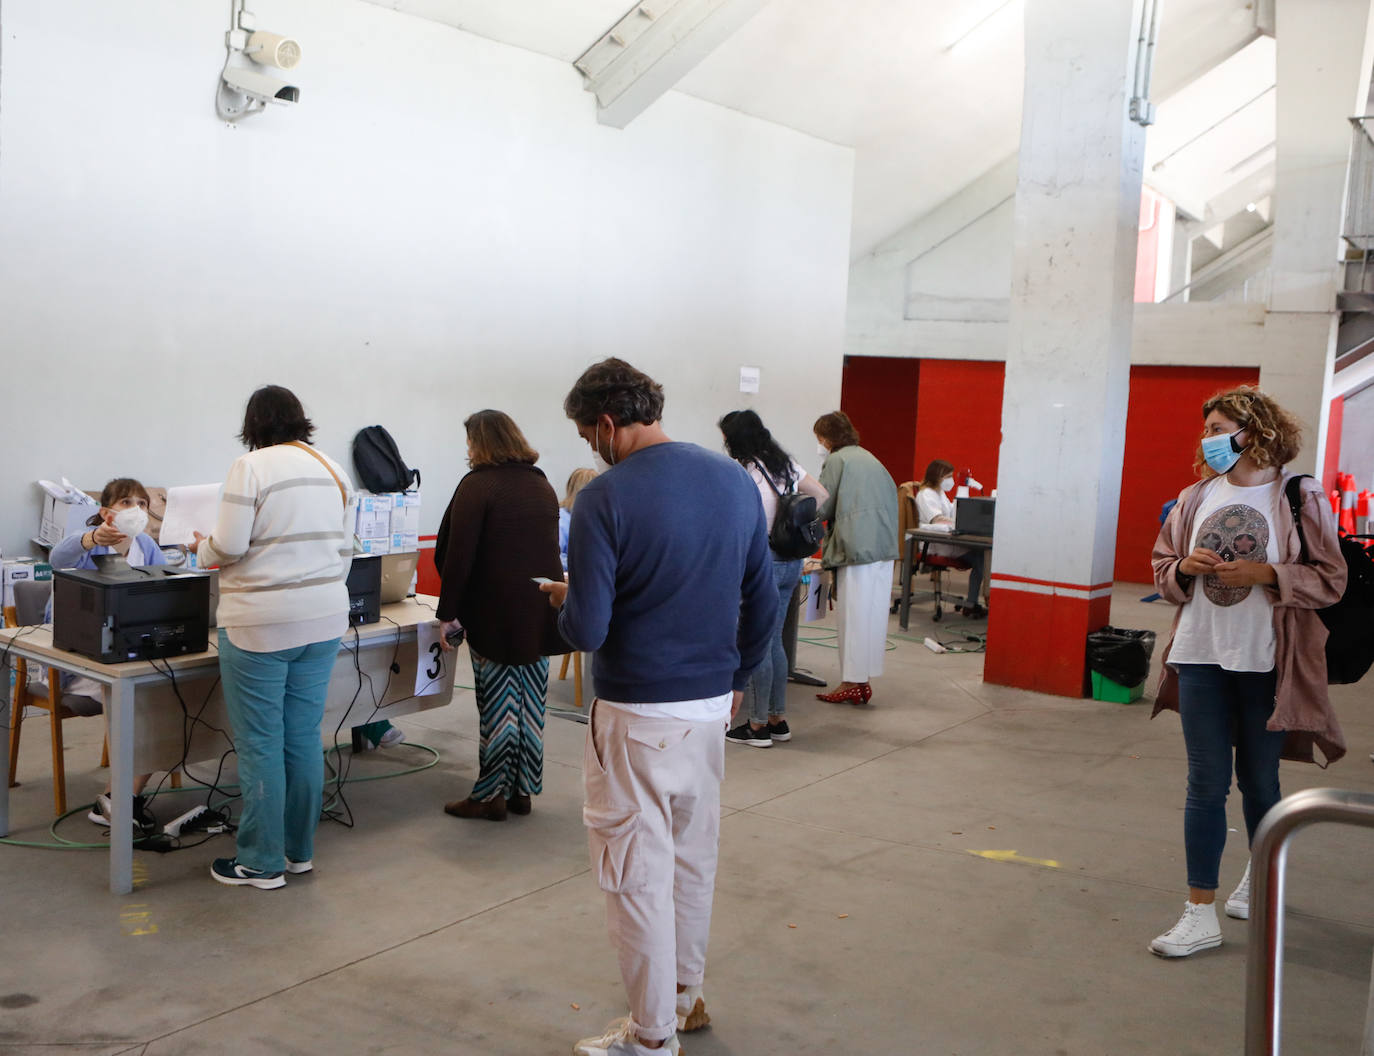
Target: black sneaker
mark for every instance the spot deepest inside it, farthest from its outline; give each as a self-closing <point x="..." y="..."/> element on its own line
<point x="779" y="730"/>
<point x="101" y="809"/>
<point x="745" y="734"/>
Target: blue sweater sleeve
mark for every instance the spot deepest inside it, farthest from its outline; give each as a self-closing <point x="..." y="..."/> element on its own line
<point x="586" y="614"/>
<point x="69" y="553"/>
<point x="758" y="603"/>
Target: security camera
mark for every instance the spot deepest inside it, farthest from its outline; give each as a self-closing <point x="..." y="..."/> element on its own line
<point x="259" y="86"/>
<point x="244" y="91"/>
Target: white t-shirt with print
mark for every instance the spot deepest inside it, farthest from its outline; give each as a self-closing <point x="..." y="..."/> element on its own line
<point x="1231" y="626"/>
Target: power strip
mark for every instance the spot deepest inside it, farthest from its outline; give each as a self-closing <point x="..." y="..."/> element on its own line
<point x="934" y="646"/>
<point x="197" y="819"/>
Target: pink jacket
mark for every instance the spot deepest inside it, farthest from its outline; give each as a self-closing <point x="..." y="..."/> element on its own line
<point x="1301" y="706"/>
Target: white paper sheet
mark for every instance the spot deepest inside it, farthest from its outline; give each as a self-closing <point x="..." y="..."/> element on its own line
<point x="816" y="604"/>
<point x="432" y="664"/>
<point x="190" y="509"/>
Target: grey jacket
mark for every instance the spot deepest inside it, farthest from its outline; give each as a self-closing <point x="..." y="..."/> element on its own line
<point x="861" y="509"/>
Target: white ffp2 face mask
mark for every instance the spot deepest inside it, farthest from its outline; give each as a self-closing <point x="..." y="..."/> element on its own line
<point x="822" y="450"/>
<point x="946" y="484"/>
<point x="131" y="521"/>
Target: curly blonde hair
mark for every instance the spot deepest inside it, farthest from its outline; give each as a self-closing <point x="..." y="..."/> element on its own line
<point x="1275" y="436"/>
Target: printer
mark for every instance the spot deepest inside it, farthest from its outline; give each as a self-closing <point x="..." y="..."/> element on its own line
<point x="131" y="613"/>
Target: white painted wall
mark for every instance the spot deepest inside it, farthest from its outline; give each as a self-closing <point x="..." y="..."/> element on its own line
<point x="439" y="226"/>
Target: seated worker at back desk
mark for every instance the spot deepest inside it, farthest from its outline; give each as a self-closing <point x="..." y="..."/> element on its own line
<point x="116" y="529"/>
<point x="934" y="507"/>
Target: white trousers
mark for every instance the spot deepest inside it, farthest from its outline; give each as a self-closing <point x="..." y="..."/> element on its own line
<point x="865" y="595"/>
<point x="652" y="813"/>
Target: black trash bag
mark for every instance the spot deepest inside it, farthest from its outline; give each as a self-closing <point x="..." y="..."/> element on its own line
<point x="1121" y="655"/>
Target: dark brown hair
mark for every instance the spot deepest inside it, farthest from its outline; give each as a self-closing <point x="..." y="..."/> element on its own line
<point x="496" y="439"/>
<point x="1274" y="436"/>
<point x="836" y="430"/>
<point x="936" y="472"/>
<point x="113" y="491"/>
<point x="614" y="387"/>
<point x="274" y="416"/>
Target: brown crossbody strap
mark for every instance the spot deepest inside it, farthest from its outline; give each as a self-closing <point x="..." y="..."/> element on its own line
<point x="343" y="492"/>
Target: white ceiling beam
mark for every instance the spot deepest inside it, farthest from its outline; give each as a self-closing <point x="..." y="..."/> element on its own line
<point x="653" y="47"/>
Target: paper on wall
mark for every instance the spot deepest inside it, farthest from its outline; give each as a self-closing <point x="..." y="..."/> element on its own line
<point x="191" y="508"/>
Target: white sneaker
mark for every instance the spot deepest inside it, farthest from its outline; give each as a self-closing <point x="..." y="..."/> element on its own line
<point x="299" y="867"/>
<point x="1238" y="905"/>
<point x="395" y="735"/>
<point x="691" y="1010"/>
<point x="620" y="1040"/>
<point x="1196" y="930"/>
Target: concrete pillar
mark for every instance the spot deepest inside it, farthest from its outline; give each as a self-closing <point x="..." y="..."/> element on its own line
<point x="1068" y="363"/>
<point x="1324" y="58"/>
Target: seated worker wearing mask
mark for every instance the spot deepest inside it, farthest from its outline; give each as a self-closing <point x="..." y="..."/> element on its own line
<point x="934" y="507"/>
<point x="117" y="528"/>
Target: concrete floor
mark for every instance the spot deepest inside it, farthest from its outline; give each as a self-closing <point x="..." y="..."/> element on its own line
<point x="854" y="913"/>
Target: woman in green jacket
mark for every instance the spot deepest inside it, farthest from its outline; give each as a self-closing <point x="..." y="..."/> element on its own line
<point x="861" y="546"/>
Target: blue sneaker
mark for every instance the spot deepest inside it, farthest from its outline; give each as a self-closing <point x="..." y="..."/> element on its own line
<point x="228" y="871"/>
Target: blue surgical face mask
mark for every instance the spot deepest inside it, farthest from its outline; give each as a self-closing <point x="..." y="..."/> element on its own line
<point x="1221" y="451"/>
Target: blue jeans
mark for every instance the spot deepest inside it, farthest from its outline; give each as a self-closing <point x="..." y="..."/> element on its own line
<point x="1221" y="709"/>
<point x="275" y="703"/>
<point x="766" y="693"/>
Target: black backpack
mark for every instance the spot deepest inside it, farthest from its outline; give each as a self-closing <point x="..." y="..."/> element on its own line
<point x="797" y="530"/>
<point x="378" y="462"/>
<point x="1350" y="621"/>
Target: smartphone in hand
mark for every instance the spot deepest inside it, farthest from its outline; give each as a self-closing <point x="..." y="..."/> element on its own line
<point x="541" y="580"/>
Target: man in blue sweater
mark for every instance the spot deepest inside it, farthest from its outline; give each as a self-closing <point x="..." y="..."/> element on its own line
<point x="670" y="582"/>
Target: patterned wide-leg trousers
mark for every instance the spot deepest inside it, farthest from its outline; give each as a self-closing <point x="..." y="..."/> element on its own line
<point x="510" y="703"/>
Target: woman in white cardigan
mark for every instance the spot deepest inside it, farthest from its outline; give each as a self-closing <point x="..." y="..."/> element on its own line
<point x="283" y="541"/>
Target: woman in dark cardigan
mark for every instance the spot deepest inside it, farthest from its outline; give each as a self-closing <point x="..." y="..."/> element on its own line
<point x="501" y="531"/>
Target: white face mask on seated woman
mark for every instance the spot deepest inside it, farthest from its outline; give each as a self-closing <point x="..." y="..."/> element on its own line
<point x="131" y="521"/>
<point x="946" y="484"/>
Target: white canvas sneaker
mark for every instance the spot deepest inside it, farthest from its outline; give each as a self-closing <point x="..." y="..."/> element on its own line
<point x="691" y="1010"/>
<point x="1238" y="905"/>
<point x="1196" y="930"/>
<point x="620" y="1040"/>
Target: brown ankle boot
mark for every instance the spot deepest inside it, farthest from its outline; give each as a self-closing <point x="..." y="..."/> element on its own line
<point x="519" y="804"/>
<point x="493" y="809"/>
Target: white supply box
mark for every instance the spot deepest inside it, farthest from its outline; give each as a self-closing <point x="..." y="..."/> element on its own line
<point x="65" y="515"/>
<point x="23" y="569"/>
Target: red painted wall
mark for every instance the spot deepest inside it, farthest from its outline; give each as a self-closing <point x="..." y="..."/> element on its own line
<point x="959" y="417"/>
<point x="879" y="395"/>
<point x="1163" y="425"/>
<point x="1331" y="464"/>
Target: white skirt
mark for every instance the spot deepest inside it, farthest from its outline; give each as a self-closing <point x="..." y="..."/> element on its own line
<point x="861" y="613"/>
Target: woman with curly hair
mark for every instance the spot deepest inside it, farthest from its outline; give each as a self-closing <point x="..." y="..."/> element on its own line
<point x="1245" y="666"/>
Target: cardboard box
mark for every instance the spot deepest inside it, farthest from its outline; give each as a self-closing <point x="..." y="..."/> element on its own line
<point x="373" y="525"/>
<point x="369" y="502"/>
<point x="61" y="518"/>
<point x="376" y="546"/>
<point x="404" y="542"/>
<point x="23" y="569"/>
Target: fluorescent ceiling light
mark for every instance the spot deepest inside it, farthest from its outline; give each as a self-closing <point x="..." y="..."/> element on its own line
<point x="989" y="16"/>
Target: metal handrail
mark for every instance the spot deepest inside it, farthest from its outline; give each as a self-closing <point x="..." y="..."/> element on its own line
<point x="1269" y="866"/>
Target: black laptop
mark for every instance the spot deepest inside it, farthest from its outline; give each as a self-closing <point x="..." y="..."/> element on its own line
<point x="973" y="516"/>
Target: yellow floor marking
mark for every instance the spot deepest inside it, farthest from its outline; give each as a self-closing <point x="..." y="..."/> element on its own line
<point x="1012" y="856"/>
<point x="134" y="918"/>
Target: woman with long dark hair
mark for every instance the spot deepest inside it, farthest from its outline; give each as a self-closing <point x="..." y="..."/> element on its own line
<point x="1245" y="667"/>
<point x="499" y="533"/>
<point x="775" y="473"/>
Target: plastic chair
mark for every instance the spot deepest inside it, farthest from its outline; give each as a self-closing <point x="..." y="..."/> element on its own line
<point x="937" y="565"/>
<point x="30" y="599"/>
